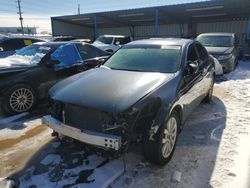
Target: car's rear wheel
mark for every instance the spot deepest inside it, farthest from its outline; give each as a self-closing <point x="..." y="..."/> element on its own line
<point x="161" y="150"/>
<point x="20" y="98"/>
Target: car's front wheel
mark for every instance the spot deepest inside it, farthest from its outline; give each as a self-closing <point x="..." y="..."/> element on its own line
<point x="161" y="150"/>
<point x="20" y="98"/>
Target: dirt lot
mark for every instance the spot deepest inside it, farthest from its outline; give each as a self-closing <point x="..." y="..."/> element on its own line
<point x="212" y="150"/>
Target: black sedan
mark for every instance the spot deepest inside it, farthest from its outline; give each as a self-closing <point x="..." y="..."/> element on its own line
<point x="145" y="91"/>
<point x="27" y="76"/>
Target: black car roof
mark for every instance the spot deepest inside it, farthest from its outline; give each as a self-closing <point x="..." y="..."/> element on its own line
<point x="20" y="37"/>
<point x="59" y="43"/>
<point x="162" y="41"/>
<point x="55" y="44"/>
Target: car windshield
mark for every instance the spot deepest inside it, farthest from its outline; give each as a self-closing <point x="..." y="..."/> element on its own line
<point x="105" y="40"/>
<point x="33" y="50"/>
<point x="146" y="59"/>
<point x="216" y="41"/>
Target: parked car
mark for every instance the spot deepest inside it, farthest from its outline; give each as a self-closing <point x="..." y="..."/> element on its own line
<point x="62" y="38"/>
<point x="111" y="43"/>
<point x="146" y="90"/>
<point x="83" y="40"/>
<point x="223" y="46"/>
<point x="26" y="76"/>
<point x="9" y="45"/>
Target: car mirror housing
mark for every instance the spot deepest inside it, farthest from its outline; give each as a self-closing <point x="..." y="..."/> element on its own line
<point x="192" y="67"/>
<point x="117" y="43"/>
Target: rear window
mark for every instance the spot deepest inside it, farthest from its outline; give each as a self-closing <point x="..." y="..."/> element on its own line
<point x="216" y="41"/>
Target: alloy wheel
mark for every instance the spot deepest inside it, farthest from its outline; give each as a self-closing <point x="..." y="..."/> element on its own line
<point x="169" y="138"/>
<point x="21" y="100"/>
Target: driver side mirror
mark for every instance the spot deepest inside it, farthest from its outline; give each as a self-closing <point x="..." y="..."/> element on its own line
<point x="192" y="67"/>
<point x="1" y="49"/>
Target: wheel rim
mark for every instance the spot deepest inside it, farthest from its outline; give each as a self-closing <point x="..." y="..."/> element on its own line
<point x="169" y="138"/>
<point x="21" y="100"/>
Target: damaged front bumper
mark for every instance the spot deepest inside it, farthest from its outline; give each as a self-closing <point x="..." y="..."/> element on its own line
<point x="106" y="141"/>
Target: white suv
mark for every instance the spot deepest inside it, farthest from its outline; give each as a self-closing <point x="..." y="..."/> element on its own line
<point x="111" y="43"/>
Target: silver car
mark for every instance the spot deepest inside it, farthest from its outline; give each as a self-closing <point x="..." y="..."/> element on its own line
<point x="223" y="46"/>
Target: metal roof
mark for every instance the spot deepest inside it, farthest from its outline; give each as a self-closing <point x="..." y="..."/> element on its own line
<point x="180" y="13"/>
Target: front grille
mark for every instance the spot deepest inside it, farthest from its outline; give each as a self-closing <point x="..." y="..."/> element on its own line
<point x="85" y="118"/>
<point x="55" y="109"/>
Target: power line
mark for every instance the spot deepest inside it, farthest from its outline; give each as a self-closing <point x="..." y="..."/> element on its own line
<point x="20" y="15"/>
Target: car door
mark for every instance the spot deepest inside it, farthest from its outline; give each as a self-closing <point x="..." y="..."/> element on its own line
<point x="204" y="69"/>
<point x="190" y="89"/>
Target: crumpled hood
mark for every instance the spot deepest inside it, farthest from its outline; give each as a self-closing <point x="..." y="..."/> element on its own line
<point x="219" y="50"/>
<point x="107" y="90"/>
<point x="18" y="61"/>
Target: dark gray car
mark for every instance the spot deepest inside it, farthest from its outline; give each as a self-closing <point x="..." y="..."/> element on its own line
<point x="223" y="46"/>
<point x="145" y="91"/>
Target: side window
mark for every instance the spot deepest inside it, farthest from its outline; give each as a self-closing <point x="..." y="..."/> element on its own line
<point x="202" y="52"/>
<point x="123" y="40"/>
<point x="86" y="51"/>
<point x="97" y="52"/>
<point x="9" y="45"/>
<point x="127" y="40"/>
<point x="192" y="55"/>
<point x="19" y="43"/>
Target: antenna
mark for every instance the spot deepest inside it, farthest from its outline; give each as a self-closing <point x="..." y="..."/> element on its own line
<point x="20" y="14"/>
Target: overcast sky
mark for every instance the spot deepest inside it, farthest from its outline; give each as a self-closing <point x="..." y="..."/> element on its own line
<point x="38" y="13"/>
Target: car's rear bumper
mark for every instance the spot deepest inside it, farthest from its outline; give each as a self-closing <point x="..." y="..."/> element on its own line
<point x="106" y="141"/>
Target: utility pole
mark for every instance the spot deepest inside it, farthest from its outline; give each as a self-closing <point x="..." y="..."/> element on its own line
<point x="79" y="9"/>
<point x="20" y="14"/>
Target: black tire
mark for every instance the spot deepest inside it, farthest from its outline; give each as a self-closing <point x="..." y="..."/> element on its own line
<point x="153" y="150"/>
<point x="20" y="98"/>
<point x="209" y="96"/>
